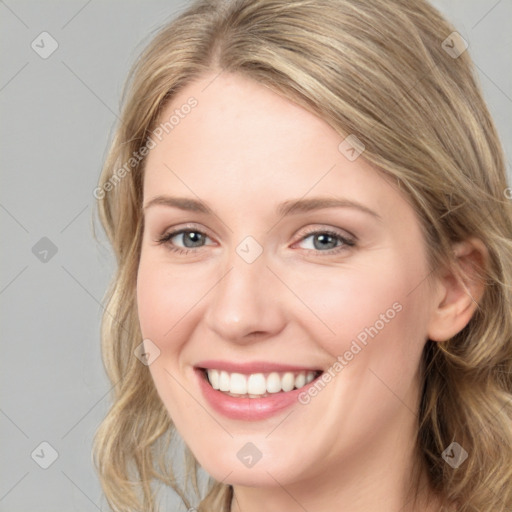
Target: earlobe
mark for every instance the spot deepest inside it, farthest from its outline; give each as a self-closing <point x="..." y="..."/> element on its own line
<point x="460" y="288"/>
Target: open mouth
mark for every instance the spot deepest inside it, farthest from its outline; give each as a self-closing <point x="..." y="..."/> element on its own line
<point x="258" y="385"/>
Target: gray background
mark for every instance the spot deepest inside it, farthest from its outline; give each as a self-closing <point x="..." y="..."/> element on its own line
<point x="56" y="118"/>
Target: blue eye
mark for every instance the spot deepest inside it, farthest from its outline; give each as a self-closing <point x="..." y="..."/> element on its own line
<point x="323" y="241"/>
<point x="191" y="239"/>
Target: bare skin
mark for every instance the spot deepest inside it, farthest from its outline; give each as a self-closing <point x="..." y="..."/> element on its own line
<point x="242" y="151"/>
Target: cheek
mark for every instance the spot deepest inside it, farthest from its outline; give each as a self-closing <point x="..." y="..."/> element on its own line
<point x="163" y="299"/>
<point x="151" y="301"/>
<point x="358" y="303"/>
<point x="374" y="323"/>
<point x="165" y="307"/>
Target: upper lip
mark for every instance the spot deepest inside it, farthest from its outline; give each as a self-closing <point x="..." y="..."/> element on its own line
<point x="252" y="367"/>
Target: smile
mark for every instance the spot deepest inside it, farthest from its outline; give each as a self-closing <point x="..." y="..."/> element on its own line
<point x="252" y="391"/>
<point x="258" y="385"/>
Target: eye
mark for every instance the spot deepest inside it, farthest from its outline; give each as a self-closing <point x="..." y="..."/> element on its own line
<point x="189" y="238"/>
<point x="326" y="241"/>
<point x="186" y="240"/>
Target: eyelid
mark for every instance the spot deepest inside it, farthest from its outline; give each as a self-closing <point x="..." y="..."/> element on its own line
<point x="322" y="228"/>
<point x="310" y="230"/>
<point x="175" y="230"/>
<point x="347" y="239"/>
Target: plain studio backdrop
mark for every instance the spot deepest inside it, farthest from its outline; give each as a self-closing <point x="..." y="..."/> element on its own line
<point x="59" y="101"/>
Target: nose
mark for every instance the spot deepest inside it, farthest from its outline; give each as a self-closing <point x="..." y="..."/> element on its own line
<point x="245" y="305"/>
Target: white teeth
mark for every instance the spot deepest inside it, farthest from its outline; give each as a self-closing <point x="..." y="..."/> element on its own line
<point x="224" y="381"/>
<point x="213" y="375"/>
<point x="274" y="383"/>
<point x="238" y="384"/>
<point x="256" y="385"/>
<point x="288" y="381"/>
<point x="300" y="380"/>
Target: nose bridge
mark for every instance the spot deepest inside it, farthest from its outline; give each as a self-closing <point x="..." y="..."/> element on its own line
<point x="245" y="300"/>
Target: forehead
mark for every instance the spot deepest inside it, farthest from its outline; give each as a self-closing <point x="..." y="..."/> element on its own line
<point x="242" y="139"/>
<point x="244" y="116"/>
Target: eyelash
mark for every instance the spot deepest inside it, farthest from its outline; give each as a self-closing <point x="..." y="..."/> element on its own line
<point x="345" y="242"/>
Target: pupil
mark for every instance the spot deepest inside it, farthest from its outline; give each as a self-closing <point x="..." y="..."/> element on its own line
<point x="325" y="238"/>
<point x="193" y="237"/>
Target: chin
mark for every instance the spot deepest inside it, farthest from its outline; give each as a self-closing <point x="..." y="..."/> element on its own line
<point x="263" y="473"/>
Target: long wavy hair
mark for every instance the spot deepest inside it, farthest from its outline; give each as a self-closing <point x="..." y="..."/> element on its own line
<point x="378" y="69"/>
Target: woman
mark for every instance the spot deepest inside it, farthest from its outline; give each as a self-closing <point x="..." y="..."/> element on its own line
<point x="310" y="214"/>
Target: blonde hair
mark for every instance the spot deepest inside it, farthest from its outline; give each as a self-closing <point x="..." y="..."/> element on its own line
<point x="377" y="69"/>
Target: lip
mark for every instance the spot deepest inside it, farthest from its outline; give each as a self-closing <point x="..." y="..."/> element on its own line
<point x="252" y="367"/>
<point x="248" y="409"/>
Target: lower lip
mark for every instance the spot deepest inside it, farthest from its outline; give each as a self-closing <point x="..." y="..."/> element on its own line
<point x="248" y="409"/>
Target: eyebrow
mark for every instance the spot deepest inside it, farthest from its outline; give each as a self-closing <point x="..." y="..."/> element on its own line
<point x="290" y="207"/>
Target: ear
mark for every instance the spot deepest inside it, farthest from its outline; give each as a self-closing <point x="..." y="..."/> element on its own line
<point x="459" y="289"/>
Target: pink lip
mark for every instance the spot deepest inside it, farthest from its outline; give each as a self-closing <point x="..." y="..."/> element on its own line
<point x="254" y="367"/>
<point x="248" y="409"/>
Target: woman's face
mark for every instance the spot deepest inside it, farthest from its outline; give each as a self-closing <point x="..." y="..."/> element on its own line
<point x="265" y="285"/>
